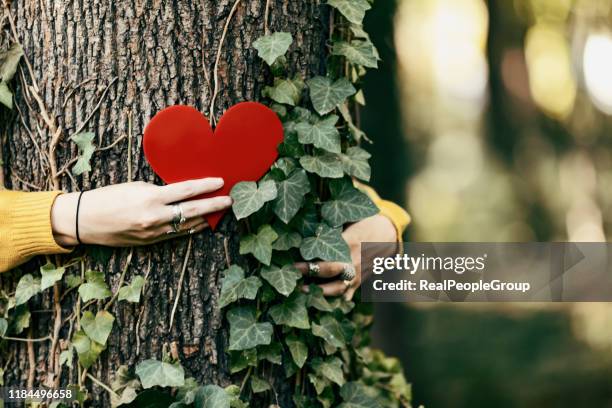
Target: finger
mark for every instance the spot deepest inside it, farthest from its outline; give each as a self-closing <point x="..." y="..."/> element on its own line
<point x="334" y="288"/>
<point x="188" y="189"/>
<point x="198" y="208"/>
<point x="326" y="269"/>
<point x="191" y="231"/>
<point x="350" y="292"/>
<point x="187" y="225"/>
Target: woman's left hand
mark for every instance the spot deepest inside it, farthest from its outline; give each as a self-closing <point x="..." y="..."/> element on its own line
<point x="376" y="228"/>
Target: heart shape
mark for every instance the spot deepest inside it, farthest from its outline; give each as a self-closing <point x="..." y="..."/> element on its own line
<point x="180" y="145"/>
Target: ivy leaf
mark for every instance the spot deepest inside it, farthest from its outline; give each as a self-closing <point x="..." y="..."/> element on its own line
<point x="248" y="198"/>
<point x="327" y="244"/>
<point x="298" y="349"/>
<point x="307" y="220"/>
<point x="360" y="52"/>
<point x="291" y="312"/>
<point x="330" y="330"/>
<point x="211" y="396"/>
<point x="317" y="300"/>
<point x="291" y="194"/>
<point x="258" y="384"/>
<point x="87" y="349"/>
<point x="50" y="275"/>
<point x="153" y="372"/>
<point x="319" y="383"/>
<point x="6" y="96"/>
<point x="355" y="163"/>
<point x="21" y="319"/>
<point x="325" y="165"/>
<point x="322" y="133"/>
<point x="131" y="292"/>
<point x="260" y="244"/>
<point x="65" y="357"/>
<point x="9" y="60"/>
<point x="95" y="288"/>
<point x="353" y="10"/>
<point x="3" y="326"/>
<point x="245" y="332"/>
<point x="27" y="287"/>
<point x="326" y="95"/>
<point x="234" y="394"/>
<point x="72" y="281"/>
<point x="239" y="360"/>
<point x="350" y="206"/>
<point x="287" y="91"/>
<point x="330" y="368"/>
<point x="282" y="279"/>
<point x="285" y="164"/>
<point x="99" y="327"/>
<point x="287" y="238"/>
<point x="234" y="286"/>
<point x="272" y="353"/>
<point x="355" y="395"/>
<point x="84" y="142"/>
<point x="270" y="47"/>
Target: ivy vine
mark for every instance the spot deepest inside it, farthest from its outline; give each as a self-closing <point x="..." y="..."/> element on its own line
<point x="296" y="212"/>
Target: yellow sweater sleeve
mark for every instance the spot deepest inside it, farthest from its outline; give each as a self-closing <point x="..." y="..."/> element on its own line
<point x="25" y="227"/>
<point x="398" y="216"/>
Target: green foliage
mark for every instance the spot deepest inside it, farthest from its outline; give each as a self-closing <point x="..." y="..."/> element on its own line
<point x="326" y="244"/>
<point x="326" y="94"/>
<point x="322" y="133"/>
<point x="131" y="292"/>
<point x="234" y="286"/>
<point x="249" y="198"/>
<point x="286" y="91"/>
<point x="348" y="205"/>
<point x="84" y="142"/>
<point x="291" y="312"/>
<point x="324" y="165"/>
<point x="270" y="47"/>
<point x="282" y="279"/>
<point x="245" y="331"/>
<point x="99" y="327"/>
<point x="353" y="10"/>
<point x="291" y="194"/>
<point x="358" y="52"/>
<point x="27" y="287"/>
<point x="95" y="288"/>
<point x="88" y="350"/>
<point x="159" y="373"/>
<point x="9" y="60"/>
<point x="260" y="244"/>
<point x="49" y="275"/>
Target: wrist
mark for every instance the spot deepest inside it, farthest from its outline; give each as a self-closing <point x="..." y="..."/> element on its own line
<point x="63" y="219"/>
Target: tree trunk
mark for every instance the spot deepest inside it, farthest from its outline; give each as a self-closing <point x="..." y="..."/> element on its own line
<point x="108" y="67"/>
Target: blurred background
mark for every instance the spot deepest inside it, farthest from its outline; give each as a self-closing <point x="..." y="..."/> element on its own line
<point x="491" y="122"/>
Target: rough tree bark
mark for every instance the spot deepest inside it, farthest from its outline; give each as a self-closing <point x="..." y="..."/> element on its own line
<point x="108" y="67"/>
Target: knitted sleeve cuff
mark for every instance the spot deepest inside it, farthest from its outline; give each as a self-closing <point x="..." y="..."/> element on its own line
<point x="30" y="220"/>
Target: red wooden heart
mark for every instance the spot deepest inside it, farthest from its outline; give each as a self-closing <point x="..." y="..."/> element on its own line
<point x="179" y="144"/>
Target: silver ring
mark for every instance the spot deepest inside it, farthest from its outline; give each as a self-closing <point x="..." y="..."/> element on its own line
<point x="178" y="218"/>
<point x="348" y="272"/>
<point x="313" y="269"/>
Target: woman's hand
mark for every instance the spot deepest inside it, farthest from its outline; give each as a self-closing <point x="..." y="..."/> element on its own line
<point x="135" y="213"/>
<point x="377" y="228"/>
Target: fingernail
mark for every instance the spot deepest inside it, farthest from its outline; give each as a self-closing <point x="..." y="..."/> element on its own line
<point x="305" y="289"/>
<point x="217" y="181"/>
<point x="228" y="200"/>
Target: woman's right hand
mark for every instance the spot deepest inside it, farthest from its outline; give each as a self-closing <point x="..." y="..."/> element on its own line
<point x="134" y="213"/>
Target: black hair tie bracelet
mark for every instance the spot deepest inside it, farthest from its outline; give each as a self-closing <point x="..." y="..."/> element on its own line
<point x="78" y="237"/>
